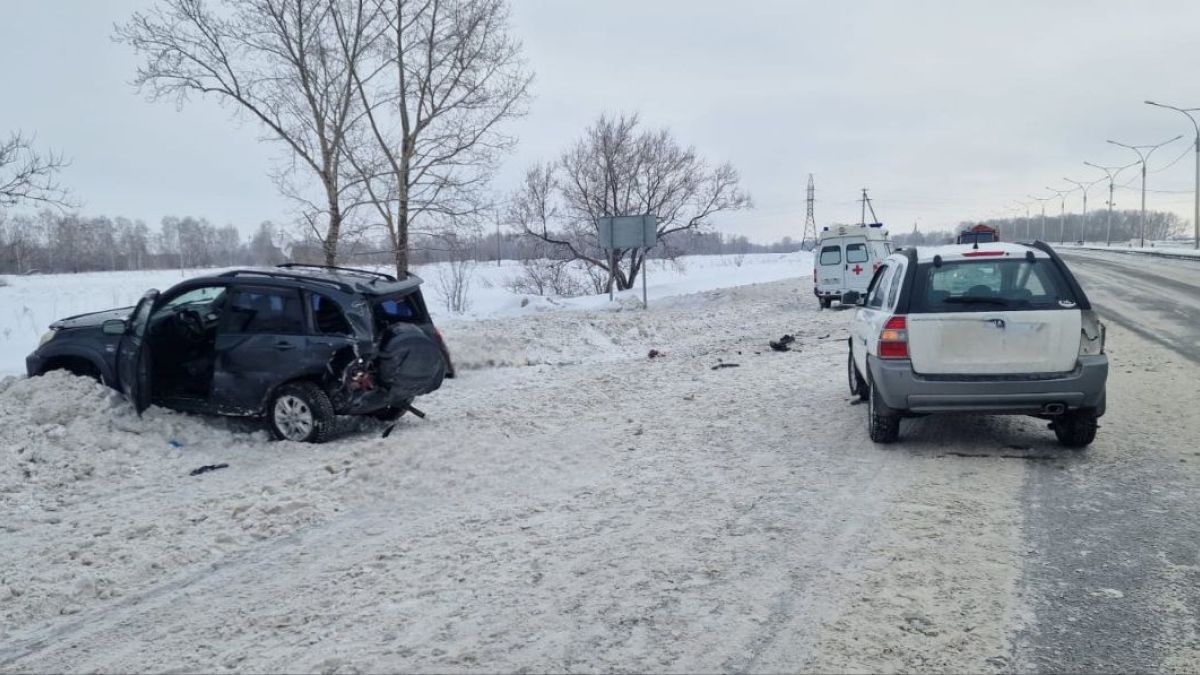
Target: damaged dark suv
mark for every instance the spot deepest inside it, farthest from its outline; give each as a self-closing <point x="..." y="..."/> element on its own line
<point x="297" y="345"/>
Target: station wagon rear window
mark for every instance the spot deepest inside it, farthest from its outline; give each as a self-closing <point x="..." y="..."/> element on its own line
<point x="975" y="286"/>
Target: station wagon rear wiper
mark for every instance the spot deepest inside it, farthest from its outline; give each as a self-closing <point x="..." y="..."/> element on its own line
<point x="975" y="299"/>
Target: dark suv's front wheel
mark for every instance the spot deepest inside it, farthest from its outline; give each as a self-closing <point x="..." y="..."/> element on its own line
<point x="301" y="412"/>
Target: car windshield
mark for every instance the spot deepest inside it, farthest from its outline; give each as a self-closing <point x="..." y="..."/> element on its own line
<point x="965" y="286"/>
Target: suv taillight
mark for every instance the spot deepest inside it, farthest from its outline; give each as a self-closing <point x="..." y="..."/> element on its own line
<point x="893" y="339"/>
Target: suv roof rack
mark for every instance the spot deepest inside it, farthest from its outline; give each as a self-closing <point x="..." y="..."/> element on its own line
<point x="340" y="285"/>
<point x="347" y="270"/>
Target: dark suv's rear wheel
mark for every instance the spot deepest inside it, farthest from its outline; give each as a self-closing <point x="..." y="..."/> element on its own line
<point x="1076" y="429"/>
<point x="301" y="412"/>
<point x="883" y="424"/>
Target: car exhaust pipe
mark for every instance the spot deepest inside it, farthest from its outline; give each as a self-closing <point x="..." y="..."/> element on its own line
<point x="1054" y="408"/>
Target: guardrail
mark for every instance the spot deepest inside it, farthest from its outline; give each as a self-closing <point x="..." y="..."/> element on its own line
<point x="1129" y="251"/>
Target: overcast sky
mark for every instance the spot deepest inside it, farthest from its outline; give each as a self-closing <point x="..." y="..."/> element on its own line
<point x="946" y="110"/>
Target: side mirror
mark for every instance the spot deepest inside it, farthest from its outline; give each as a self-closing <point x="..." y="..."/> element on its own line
<point x="114" y="327"/>
<point x="852" y="298"/>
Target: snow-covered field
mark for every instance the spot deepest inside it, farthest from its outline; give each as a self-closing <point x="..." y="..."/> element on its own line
<point x="28" y="304"/>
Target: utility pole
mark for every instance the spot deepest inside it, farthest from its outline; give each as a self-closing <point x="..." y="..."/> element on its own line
<point x="1142" y="157"/>
<point x="1196" y="194"/>
<point x="866" y="204"/>
<point x="498" y="251"/>
<point x="810" y="221"/>
<point x="1111" y="172"/>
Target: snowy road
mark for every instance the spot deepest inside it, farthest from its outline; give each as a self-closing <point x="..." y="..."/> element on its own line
<point x="582" y="507"/>
<point x="1114" y="538"/>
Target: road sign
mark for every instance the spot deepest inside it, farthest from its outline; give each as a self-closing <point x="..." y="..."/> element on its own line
<point x="627" y="232"/>
<point x="623" y="232"/>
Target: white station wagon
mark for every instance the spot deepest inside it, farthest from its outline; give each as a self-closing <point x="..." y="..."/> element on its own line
<point x="992" y="328"/>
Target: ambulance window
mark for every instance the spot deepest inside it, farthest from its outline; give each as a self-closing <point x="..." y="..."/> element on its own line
<point x="831" y="255"/>
<point x="856" y="253"/>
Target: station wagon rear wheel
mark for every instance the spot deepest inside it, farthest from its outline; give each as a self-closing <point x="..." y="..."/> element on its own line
<point x="883" y="424"/>
<point x="1076" y="429"/>
<point x="858" y="386"/>
<point x="300" y="412"/>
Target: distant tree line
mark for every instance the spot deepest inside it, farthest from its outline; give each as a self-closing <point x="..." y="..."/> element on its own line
<point x="1160" y="225"/>
<point x="53" y="241"/>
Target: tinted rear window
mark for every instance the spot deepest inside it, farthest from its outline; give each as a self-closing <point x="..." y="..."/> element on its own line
<point x="395" y="309"/>
<point x="978" y="286"/>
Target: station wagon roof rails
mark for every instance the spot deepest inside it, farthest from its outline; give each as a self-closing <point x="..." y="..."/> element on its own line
<point x="340" y="285"/>
<point x="348" y="270"/>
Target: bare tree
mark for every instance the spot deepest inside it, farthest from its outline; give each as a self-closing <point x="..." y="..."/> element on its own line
<point x="29" y="176"/>
<point x="280" y="62"/>
<point x="618" y="170"/>
<point x="438" y="80"/>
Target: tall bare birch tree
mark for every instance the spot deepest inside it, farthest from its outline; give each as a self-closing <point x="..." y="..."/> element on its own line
<point x="280" y="63"/>
<point x="438" y="80"/>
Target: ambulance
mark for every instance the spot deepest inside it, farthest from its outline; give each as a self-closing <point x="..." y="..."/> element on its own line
<point x="846" y="258"/>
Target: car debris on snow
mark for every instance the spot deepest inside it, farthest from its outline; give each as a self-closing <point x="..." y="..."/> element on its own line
<point x="783" y="344"/>
<point x="206" y="468"/>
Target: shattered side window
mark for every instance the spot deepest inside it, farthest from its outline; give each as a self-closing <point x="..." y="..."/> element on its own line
<point x="328" y="318"/>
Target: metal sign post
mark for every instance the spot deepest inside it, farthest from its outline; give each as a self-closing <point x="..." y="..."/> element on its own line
<point x="621" y="233"/>
<point x="645" y="271"/>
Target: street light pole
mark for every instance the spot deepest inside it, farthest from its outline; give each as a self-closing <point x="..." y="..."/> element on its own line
<point x="1112" y="172"/>
<point x="1142" y="157"/>
<point x="1083" y="187"/>
<point x="1026" y="205"/>
<point x="1043" y="201"/>
<point x="1196" y="195"/>
<point x="1062" y="214"/>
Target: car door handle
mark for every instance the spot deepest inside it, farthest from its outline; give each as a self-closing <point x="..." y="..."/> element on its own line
<point x="284" y="346"/>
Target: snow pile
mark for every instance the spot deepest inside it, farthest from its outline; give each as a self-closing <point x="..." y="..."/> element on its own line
<point x="75" y="462"/>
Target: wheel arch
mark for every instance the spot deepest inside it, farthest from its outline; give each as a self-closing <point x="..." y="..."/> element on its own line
<point x="79" y="363"/>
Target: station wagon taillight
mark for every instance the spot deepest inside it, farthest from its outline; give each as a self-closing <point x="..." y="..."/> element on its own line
<point x="893" y="339"/>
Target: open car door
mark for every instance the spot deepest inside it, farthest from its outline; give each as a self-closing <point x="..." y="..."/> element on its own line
<point x="133" y="354"/>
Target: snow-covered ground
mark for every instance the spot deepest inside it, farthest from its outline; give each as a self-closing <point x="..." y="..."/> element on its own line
<point x="571" y="504"/>
<point x="28" y="304"/>
<point x="588" y="508"/>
